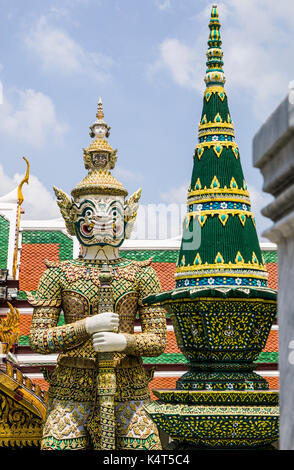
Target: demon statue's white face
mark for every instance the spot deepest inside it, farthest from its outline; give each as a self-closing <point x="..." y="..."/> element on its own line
<point x="100" y="220"/>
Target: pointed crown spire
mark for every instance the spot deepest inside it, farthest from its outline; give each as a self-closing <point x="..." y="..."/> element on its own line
<point x="99" y="154"/>
<point x="100" y="114"/>
<point x="99" y="159"/>
<point x="214" y="73"/>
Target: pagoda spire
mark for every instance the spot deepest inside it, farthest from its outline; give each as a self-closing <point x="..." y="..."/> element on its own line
<point x="99" y="129"/>
<point x="219" y="217"/>
<point x="221" y="307"/>
<point x="100" y="113"/>
<point x="214" y="73"/>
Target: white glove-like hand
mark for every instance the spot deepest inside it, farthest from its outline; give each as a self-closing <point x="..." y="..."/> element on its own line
<point x="109" y="342"/>
<point x="107" y="321"/>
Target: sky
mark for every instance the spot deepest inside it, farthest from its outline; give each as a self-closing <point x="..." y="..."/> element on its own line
<point x="147" y="61"/>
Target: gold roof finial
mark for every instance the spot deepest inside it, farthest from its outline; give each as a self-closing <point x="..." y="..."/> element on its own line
<point x="100" y="114"/>
<point x="25" y="180"/>
<point x="99" y="129"/>
<point x="18" y="215"/>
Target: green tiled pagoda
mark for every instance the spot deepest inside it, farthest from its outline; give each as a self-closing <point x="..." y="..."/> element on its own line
<point x="222" y="308"/>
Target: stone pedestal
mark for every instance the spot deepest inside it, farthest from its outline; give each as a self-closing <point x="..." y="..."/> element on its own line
<point x="273" y="154"/>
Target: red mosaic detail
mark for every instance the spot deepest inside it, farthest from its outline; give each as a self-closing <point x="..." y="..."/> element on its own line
<point x="166" y="273"/>
<point x="273" y="382"/>
<point x="25" y="324"/>
<point x="43" y="384"/>
<point x="32" y="263"/>
<point x="272" y="344"/>
<point x="171" y="343"/>
<point x="272" y="269"/>
<point x="162" y="382"/>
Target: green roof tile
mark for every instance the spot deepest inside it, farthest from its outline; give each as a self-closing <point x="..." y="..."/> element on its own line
<point x="4" y="236"/>
<point x="158" y="256"/>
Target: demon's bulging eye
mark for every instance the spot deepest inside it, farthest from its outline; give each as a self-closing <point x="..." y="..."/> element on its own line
<point x="88" y="213"/>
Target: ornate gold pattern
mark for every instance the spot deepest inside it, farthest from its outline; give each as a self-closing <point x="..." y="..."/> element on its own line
<point x="9" y="328"/>
<point x="66" y="423"/>
<point x="75" y="287"/>
<point x="18" y="426"/>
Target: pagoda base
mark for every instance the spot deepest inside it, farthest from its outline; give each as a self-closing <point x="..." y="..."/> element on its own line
<point x="221" y="376"/>
<point x="217" y="419"/>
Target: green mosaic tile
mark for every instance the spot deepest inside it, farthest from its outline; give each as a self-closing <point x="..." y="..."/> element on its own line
<point x="265" y="357"/>
<point x="24" y="340"/>
<point x="52" y="236"/>
<point x="166" y="358"/>
<point x="270" y="256"/>
<point x="158" y="256"/>
<point x="21" y="295"/>
<point x="61" y="320"/>
<point x="178" y="358"/>
<point x="4" y="237"/>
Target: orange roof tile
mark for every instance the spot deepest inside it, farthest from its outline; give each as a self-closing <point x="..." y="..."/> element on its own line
<point x="171" y="343"/>
<point x="25" y="324"/>
<point x="166" y="274"/>
<point x="32" y="263"/>
<point x="272" y="344"/>
<point x="272" y="269"/>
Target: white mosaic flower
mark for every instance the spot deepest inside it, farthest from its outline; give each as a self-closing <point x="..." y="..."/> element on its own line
<point x="186" y="282"/>
<point x="249" y="386"/>
<point x="210" y="281"/>
<point x="214" y="137"/>
<point x="199" y="207"/>
<point x="244" y="207"/>
<point x="230" y="386"/>
<point x="238" y="281"/>
<point x="258" y="282"/>
<point x="224" y="205"/>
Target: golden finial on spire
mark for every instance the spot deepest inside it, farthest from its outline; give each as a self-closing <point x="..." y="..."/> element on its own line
<point x="214" y="73"/>
<point x="99" y="154"/>
<point x="99" y="129"/>
<point x="100" y="114"/>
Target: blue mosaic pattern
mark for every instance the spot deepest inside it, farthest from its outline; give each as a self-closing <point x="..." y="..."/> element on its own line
<point x="216" y="138"/>
<point x="204" y="206"/>
<point x="221" y="280"/>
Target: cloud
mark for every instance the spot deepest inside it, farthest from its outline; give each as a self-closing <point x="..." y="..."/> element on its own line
<point x="176" y="195"/>
<point x="38" y="203"/>
<point x="58" y="52"/>
<point x="163" y="4"/>
<point x="32" y="119"/>
<point x="257" y="45"/>
<point x="180" y="61"/>
<point x="126" y="175"/>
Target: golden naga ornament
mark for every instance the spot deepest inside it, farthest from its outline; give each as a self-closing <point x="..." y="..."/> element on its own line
<point x="9" y="328"/>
